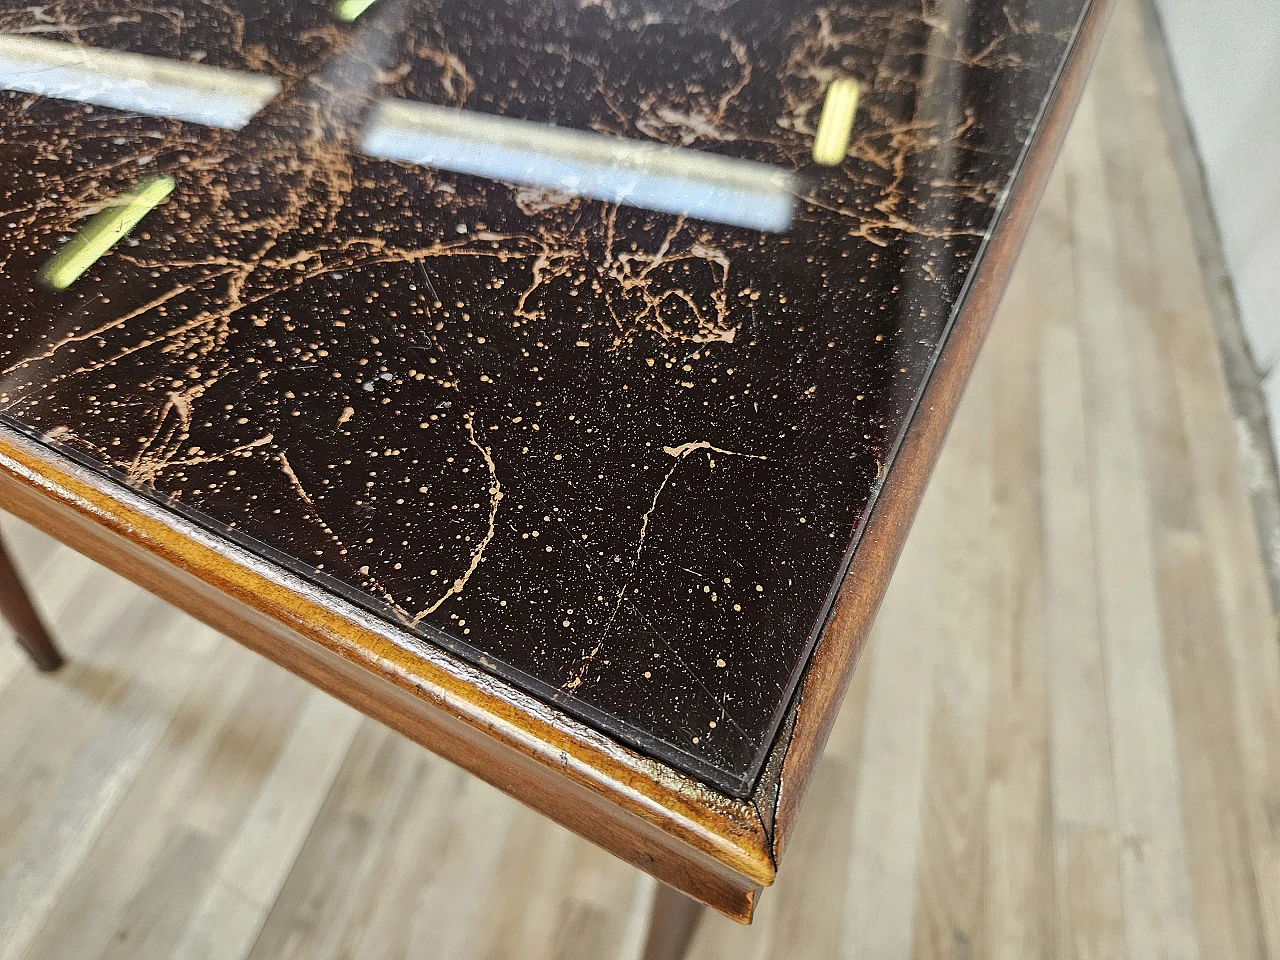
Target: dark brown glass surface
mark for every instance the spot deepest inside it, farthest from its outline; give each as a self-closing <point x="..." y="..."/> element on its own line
<point x="614" y="455"/>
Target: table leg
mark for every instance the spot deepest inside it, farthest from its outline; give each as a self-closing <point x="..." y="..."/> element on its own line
<point x="15" y="605"/>
<point x="672" y="922"/>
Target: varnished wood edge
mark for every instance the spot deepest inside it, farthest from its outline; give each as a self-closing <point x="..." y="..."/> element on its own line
<point x="707" y="845"/>
<point x="836" y="653"/>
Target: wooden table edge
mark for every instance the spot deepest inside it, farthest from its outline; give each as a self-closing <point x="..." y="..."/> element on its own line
<point x="830" y="667"/>
<point x="712" y="847"/>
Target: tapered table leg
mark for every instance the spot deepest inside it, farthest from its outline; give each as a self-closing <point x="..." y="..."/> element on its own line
<point x="15" y="605"/>
<point x="672" y="923"/>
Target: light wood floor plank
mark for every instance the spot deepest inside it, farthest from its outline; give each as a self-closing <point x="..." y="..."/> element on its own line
<point x="450" y="871"/>
<point x="64" y="830"/>
<point x="1085" y="844"/>
<point x="207" y="810"/>
<point x="1214" y="785"/>
<point x="1248" y="629"/>
<point x="949" y="917"/>
<point x="316" y="905"/>
<point x="1018" y="895"/>
<point x="254" y="866"/>
<point x="90" y="910"/>
<point x="534" y="859"/>
<point x="91" y="613"/>
<point x="1155" y="872"/>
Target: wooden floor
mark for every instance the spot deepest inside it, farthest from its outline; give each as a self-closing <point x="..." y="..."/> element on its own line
<point x="1064" y="740"/>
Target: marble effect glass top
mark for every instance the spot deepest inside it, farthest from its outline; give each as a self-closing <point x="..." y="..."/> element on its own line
<point x="531" y="325"/>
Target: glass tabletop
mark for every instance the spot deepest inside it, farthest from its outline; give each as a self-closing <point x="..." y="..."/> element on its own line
<point x="574" y="336"/>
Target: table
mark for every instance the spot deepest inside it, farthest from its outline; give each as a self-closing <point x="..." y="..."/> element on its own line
<point x="551" y="381"/>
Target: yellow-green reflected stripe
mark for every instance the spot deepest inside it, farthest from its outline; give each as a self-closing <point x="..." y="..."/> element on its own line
<point x="836" y="123"/>
<point x="103" y="231"/>
<point x="350" y="9"/>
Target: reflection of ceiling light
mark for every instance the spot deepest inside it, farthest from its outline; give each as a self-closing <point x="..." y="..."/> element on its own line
<point x="350" y="9"/>
<point x="634" y="172"/>
<point x="103" y="231"/>
<point x="835" y="126"/>
<point x="638" y="173"/>
<point x="134" y="82"/>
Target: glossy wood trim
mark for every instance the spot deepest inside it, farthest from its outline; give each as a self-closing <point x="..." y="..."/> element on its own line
<point x="836" y="654"/>
<point x="688" y="836"/>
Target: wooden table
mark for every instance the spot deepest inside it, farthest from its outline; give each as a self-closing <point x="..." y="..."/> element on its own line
<point x="514" y="371"/>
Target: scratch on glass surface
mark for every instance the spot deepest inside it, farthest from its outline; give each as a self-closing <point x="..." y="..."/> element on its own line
<point x="680" y="452"/>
